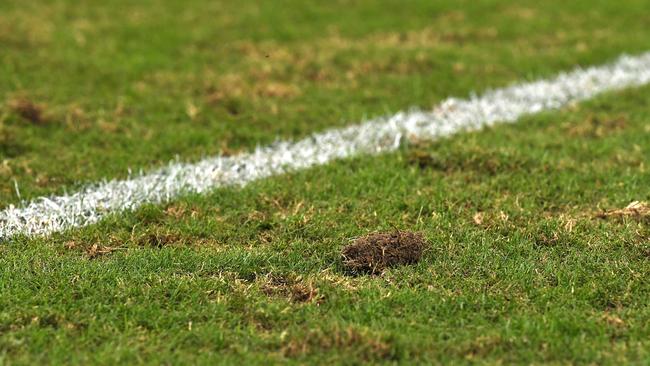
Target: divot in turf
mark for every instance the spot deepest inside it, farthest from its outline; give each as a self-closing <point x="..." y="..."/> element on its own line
<point x="371" y="254"/>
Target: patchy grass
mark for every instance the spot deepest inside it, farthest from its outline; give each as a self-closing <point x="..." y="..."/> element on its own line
<point x="521" y="268"/>
<point x="538" y="231"/>
<point x="133" y="85"/>
<point x="635" y="210"/>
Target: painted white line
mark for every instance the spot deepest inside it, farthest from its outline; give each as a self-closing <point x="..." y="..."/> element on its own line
<point x="53" y="214"/>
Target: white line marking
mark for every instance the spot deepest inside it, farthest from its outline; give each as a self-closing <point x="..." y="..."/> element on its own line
<point x="53" y="214"/>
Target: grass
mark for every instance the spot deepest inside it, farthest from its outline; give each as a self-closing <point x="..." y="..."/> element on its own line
<point x="520" y="270"/>
<point x="129" y="86"/>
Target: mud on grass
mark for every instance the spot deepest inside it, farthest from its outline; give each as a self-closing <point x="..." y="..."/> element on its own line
<point x="373" y="253"/>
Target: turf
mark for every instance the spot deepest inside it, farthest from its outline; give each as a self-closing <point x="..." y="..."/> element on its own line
<point x="521" y="268"/>
<point x="126" y="85"/>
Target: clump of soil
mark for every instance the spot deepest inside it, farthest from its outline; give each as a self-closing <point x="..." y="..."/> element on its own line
<point x="27" y="109"/>
<point x="375" y="252"/>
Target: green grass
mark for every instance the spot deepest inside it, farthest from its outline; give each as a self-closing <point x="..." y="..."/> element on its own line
<point x="133" y="84"/>
<point x="253" y="274"/>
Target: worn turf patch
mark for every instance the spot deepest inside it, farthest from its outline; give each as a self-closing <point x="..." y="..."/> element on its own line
<point x="29" y="110"/>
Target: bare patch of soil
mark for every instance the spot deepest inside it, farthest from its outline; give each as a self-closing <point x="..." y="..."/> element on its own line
<point x="28" y="110"/>
<point x="375" y="252"/>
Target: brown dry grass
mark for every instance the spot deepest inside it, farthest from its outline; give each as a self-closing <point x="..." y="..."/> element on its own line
<point x="368" y="346"/>
<point x="597" y="126"/>
<point x="97" y="250"/>
<point x="637" y="210"/>
<point x="294" y="288"/>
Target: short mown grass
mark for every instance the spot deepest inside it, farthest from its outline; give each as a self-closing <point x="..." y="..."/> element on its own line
<point x="131" y="85"/>
<point x="522" y="265"/>
<point x="521" y="268"/>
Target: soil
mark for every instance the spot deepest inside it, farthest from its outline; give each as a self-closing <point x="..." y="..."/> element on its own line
<point x="373" y="253"/>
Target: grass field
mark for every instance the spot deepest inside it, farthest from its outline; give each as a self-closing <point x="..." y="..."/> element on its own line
<point x="523" y="267"/>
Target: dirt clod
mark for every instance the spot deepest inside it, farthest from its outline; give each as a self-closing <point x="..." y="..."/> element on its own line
<point x="375" y="252"/>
